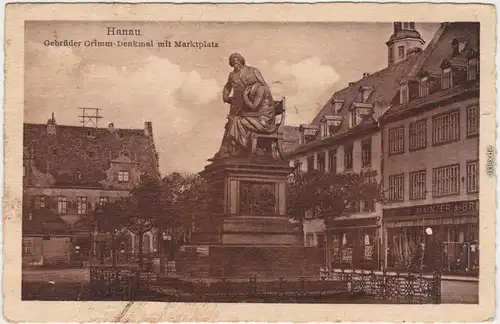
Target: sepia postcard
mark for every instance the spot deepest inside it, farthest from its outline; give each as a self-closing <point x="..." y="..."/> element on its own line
<point x="249" y="162"/>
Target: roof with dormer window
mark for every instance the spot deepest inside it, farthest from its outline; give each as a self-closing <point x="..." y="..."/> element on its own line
<point x="439" y="54"/>
<point x="59" y="156"/>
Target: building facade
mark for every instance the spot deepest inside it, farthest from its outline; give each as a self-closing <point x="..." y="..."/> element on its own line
<point x="67" y="172"/>
<point x="430" y="169"/>
<point x="345" y="137"/>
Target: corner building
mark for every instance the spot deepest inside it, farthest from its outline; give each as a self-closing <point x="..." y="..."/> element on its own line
<point x="345" y="137"/>
<point x="430" y="163"/>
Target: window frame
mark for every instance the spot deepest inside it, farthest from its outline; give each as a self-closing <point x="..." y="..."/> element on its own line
<point x="401" y="52"/>
<point x="332" y="161"/>
<point x="412" y="175"/>
<point x="62" y="201"/>
<point x="413" y="126"/>
<point x="346" y="156"/>
<point x="400" y="138"/>
<point x="367" y="142"/>
<point x="423" y="87"/>
<point x="40" y="202"/>
<point x="391" y="190"/>
<point x="469" y="176"/>
<point x="477" y="125"/>
<point x="458" y="129"/>
<point x="435" y="192"/>
<point x="81" y="205"/>
<point x="475" y="70"/>
<point x="449" y="72"/>
<point x="28" y="249"/>
<point x="121" y="176"/>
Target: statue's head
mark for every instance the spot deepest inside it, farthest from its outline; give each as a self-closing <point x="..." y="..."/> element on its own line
<point x="237" y="61"/>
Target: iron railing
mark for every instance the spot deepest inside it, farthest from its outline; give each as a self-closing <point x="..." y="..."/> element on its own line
<point x="396" y="287"/>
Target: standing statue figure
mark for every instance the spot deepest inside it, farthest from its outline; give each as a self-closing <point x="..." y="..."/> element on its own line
<point x="251" y="107"/>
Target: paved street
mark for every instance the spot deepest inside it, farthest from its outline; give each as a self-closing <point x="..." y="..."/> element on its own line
<point x="452" y="291"/>
<point x="56" y="275"/>
<point x="459" y="292"/>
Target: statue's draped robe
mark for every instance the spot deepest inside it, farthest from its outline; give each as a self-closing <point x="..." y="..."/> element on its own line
<point x="239" y="129"/>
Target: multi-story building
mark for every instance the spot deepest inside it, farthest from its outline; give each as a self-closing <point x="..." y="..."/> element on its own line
<point x="68" y="170"/>
<point x="345" y="137"/>
<point x="430" y="162"/>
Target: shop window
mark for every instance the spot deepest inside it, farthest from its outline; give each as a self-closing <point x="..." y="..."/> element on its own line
<point x="446" y="180"/>
<point x="446" y="78"/>
<point x="366" y="152"/>
<point x="28" y="246"/>
<point x="348" y="156"/>
<point x="473" y="176"/>
<point x="396" y="187"/>
<point x="446" y="127"/>
<point x="81" y="205"/>
<point x="62" y="205"/>
<point x="396" y="140"/>
<point x="418" y="188"/>
<point x="39" y="202"/>
<point x="473" y="121"/>
<point x="423" y="88"/>
<point x="146" y="243"/>
<point x="418" y="134"/>
<point x="123" y="176"/>
<point x="332" y="156"/>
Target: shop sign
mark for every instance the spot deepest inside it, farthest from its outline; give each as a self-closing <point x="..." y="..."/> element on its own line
<point x="458" y="207"/>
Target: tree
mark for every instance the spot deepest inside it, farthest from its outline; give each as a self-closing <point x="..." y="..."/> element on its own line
<point x="142" y="209"/>
<point x="183" y="195"/>
<point x="110" y="218"/>
<point x="330" y="195"/>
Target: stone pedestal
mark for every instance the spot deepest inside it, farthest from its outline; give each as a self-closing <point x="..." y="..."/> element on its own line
<point x="247" y="231"/>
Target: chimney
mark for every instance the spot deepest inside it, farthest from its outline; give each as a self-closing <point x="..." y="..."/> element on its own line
<point x="397" y="27"/>
<point x="455" y="47"/>
<point x="365" y="74"/>
<point x="51" y="125"/>
<point x="111" y="127"/>
<point x="148" y="128"/>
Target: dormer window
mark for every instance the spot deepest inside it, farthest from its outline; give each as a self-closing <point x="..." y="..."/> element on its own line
<point x="123" y="176"/>
<point x="473" y="69"/>
<point x="337" y="105"/>
<point x="404" y="95"/>
<point x="423" y="88"/>
<point x="446" y="79"/>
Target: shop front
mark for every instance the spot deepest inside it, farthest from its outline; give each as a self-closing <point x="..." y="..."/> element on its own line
<point x="354" y="244"/>
<point x="434" y="237"/>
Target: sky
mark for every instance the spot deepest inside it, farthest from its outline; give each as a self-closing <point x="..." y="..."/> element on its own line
<point x="179" y="89"/>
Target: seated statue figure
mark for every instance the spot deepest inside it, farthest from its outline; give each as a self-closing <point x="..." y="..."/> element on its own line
<point x="251" y="108"/>
<point x="257" y="115"/>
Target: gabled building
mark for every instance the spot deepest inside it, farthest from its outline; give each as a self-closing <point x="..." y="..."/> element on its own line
<point x="68" y="171"/>
<point x="345" y="137"/>
<point x="431" y="157"/>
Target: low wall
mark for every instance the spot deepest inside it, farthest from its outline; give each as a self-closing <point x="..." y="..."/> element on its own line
<point x="245" y="261"/>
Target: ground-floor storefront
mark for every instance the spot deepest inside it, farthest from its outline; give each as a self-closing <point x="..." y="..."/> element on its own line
<point x="354" y="243"/>
<point x="433" y="237"/>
